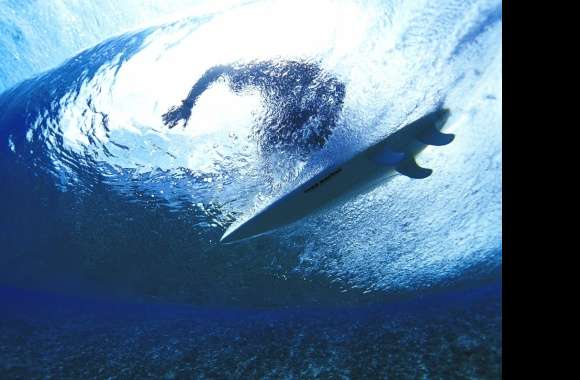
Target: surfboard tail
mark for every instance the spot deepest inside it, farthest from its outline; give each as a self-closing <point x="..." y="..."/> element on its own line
<point x="400" y="149"/>
<point x="432" y="135"/>
<point x="431" y="125"/>
<point x="410" y="169"/>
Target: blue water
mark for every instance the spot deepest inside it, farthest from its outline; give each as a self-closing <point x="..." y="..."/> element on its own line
<point x="452" y="336"/>
<point x="133" y="138"/>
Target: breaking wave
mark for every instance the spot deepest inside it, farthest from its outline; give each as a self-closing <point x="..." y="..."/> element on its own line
<point x="123" y="166"/>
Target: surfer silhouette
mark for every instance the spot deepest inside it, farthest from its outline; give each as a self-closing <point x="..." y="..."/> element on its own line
<point x="303" y="102"/>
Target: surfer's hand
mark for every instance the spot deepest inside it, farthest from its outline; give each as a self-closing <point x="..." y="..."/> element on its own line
<point x="175" y="115"/>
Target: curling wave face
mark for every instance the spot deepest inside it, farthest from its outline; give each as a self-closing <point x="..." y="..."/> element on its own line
<point x="124" y="166"/>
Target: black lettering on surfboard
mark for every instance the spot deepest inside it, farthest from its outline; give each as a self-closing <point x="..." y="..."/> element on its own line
<point x="332" y="174"/>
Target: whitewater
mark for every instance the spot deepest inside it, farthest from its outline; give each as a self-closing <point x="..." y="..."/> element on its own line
<point x="122" y="204"/>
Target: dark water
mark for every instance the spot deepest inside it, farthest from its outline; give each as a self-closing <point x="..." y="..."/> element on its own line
<point x="457" y="335"/>
<point x="121" y="168"/>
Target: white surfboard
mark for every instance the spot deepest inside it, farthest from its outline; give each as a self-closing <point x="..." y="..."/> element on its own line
<point x="361" y="173"/>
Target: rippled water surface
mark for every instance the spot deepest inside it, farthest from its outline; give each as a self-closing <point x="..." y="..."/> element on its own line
<point x="122" y="166"/>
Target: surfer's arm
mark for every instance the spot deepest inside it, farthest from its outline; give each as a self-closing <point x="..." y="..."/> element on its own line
<point x="183" y="112"/>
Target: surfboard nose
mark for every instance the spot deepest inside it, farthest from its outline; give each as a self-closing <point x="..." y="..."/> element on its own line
<point x="229" y="236"/>
<point x="239" y="232"/>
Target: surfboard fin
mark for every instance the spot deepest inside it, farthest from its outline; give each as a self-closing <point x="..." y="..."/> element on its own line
<point x="432" y="136"/>
<point x="410" y="169"/>
<point x="388" y="157"/>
